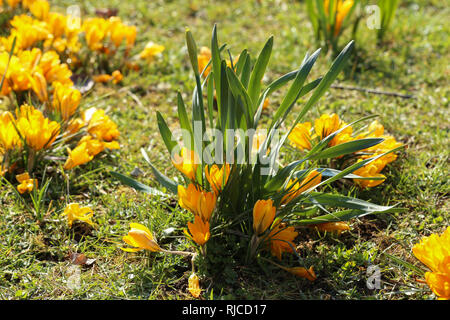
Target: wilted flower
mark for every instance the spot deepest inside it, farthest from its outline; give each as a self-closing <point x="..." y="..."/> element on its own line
<point x="74" y="212"/>
<point x="140" y="238"/>
<point x="434" y="252"/>
<point x="26" y="184"/>
<point x="263" y="215"/>
<point x="303" y="272"/>
<point x="194" y="286"/>
<point x="199" y="231"/>
<point x="332" y="226"/>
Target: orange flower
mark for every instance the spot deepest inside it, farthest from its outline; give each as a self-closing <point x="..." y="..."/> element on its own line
<point x="295" y="189"/>
<point x="216" y="177"/>
<point x="199" y="202"/>
<point x="199" y="231"/>
<point x="434" y="252"/>
<point x="263" y="215"/>
<point x="280" y="239"/>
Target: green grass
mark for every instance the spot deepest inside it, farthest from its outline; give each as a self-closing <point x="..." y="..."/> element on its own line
<point x="34" y="259"/>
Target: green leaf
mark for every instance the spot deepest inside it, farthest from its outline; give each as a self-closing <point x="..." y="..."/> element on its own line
<point x="336" y="200"/>
<point x="162" y="179"/>
<point x="136" y="184"/>
<point x="192" y="50"/>
<point x="278" y="180"/>
<point x="254" y="87"/>
<point x="295" y="89"/>
<point x="166" y="134"/>
<point x="346" y="148"/>
<point x="405" y="264"/>
<point x="327" y="80"/>
<point x="184" y="123"/>
<point x="239" y="91"/>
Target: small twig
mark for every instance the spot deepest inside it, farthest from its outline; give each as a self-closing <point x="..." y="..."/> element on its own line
<point x="387" y="93"/>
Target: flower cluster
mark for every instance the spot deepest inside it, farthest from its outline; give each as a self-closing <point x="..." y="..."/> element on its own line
<point x="305" y="136"/>
<point x="75" y="40"/>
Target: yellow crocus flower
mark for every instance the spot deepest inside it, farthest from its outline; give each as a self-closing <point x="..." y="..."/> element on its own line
<point x="372" y="169"/>
<point x="78" y="156"/>
<point x="150" y="51"/>
<point x="40" y="9"/>
<point x="186" y="162"/>
<point x="100" y="125"/>
<point x="140" y="238"/>
<point x="203" y="59"/>
<point x="9" y="139"/>
<point x="74" y="212"/>
<point x="340" y="10"/>
<point x="301" y="136"/>
<point x="263" y="215"/>
<point x="38" y="132"/>
<point x="434" y="252"/>
<point x="296" y="188"/>
<point x="66" y="100"/>
<point x="216" y="177"/>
